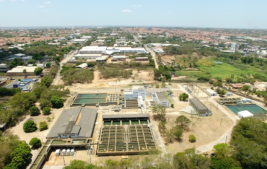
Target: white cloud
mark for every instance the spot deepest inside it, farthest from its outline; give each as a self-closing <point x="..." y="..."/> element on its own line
<point x="137" y="6"/>
<point x="13" y="0"/>
<point x="41" y="6"/>
<point x="126" y="10"/>
<point x="1" y="0"/>
<point x="47" y="2"/>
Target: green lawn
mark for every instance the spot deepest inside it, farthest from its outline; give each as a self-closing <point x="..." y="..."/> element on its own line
<point x="226" y="70"/>
<point x="189" y="73"/>
<point x="223" y="70"/>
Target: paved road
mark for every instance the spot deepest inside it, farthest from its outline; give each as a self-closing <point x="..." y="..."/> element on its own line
<point x="153" y="54"/>
<point x="65" y="60"/>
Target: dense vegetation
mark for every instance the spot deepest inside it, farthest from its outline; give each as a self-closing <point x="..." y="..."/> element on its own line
<point x="76" y="75"/>
<point x="9" y="92"/>
<point x="114" y="72"/>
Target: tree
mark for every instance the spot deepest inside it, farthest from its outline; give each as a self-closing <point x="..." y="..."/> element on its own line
<point x="44" y="103"/>
<point x="21" y="155"/>
<point x="178" y="132"/>
<point x="162" y="126"/>
<point x="183" y="97"/>
<point x="57" y="102"/>
<point x="29" y="126"/>
<point x="35" y="143"/>
<point x="38" y="71"/>
<point x="10" y="166"/>
<point x="47" y="80"/>
<point x="24" y="71"/>
<point x="192" y="138"/>
<point x="190" y="160"/>
<point x="46" y="111"/>
<point x="43" y="126"/>
<point x="18" y="162"/>
<point x="169" y="136"/>
<point x="223" y="163"/>
<point x="183" y="122"/>
<point x="48" y="64"/>
<point x="245" y="88"/>
<point x="22" y="101"/>
<point x="222" y="150"/>
<point x="34" y="111"/>
<point x="221" y="91"/>
<point x="160" y="112"/>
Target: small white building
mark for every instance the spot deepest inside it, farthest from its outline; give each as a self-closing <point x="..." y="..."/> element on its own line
<point x="244" y="114"/>
<point x="82" y="66"/>
<point x="211" y="92"/>
<point x="88" y="56"/>
<point x="161" y="99"/>
<point x="135" y="92"/>
<point x="229" y="94"/>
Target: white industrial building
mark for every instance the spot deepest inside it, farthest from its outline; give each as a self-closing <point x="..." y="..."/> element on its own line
<point x="244" y="114"/>
<point x="89" y="56"/>
<point x="135" y="92"/>
<point x="160" y="98"/>
<point x="21" y="70"/>
<point x="86" y="37"/>
<point x="81" y="41"/>
<point x="93" y="49"/>
<point x="211" y="92"/>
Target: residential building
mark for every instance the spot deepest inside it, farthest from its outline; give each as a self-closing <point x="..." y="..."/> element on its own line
<point x="3" y="67"/>
<point x="141" y="58"/>
<point x="19" y="56"/>
<point x="199" y="107"/>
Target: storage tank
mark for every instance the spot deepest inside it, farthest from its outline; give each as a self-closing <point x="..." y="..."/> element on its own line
<point x="72" y="152"/>
<point x="68" y="152"/>
<point x="63" y="152"/>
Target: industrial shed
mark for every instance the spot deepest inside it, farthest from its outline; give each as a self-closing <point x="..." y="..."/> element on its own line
<point x="74" y="123"/>
<point x="82" y="66"/>
<point x="199" y="107"/>
<point x="141" y="58"/>
<point x="211" y="92"/>
<point x="119" y="58"/>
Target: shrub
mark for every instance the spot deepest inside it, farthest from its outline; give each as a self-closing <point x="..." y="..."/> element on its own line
<point x="29" y="126"/>
<point x="38" y="71"/>
<point x="192" y="138"/>
<point x="44" y="103"/>
<point x="48" y="119"/>
<point x="43" y="126"/>
<point x="34" y="111"/>
<point x="183" y="97"/>
<point x="46" y="111"/>
<point x="57" y="102"/>
<point x="35" y="143"/>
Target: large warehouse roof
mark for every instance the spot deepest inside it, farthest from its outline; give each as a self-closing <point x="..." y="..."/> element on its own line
<point x="19" y="69"/>
<point x="76" y="121"/>
<point x="198" y="104"/>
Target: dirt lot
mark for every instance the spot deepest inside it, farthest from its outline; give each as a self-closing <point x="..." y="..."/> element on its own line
<point x="143" y="76"/>
<point x="206" y="129"/>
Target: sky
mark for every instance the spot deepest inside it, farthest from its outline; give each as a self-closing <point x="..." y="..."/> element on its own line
<point x="245" y="14"/>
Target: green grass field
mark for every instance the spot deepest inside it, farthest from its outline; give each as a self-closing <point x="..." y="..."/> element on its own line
<point x="226" y="70"/>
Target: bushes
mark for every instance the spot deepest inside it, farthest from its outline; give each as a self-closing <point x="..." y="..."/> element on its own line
<point x="46" y="111"/>
<point x="113" y="72"/>
<point x="38" y="71"/>
<point x="44" y="103"/>
<point x="34" y="111"/>
<point x="9" y="92"/>
<point x="57" y="102"/>
<point x="75" y="75"/>
<point x="29" y="126"/>
<point x="22" y="101"/>
<point x="43" y="126"/>
<point x="35" y="143"/>
<point x="192" y="138"/>
<point x="183" y="97"/>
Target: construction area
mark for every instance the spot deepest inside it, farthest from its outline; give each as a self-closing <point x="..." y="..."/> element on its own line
<point x="195" y="91"/>
<point x="96" y="99"/>
<point x="125" y="135"/>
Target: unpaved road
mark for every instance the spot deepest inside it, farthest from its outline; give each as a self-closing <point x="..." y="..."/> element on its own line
<point x="65" y="60"/>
